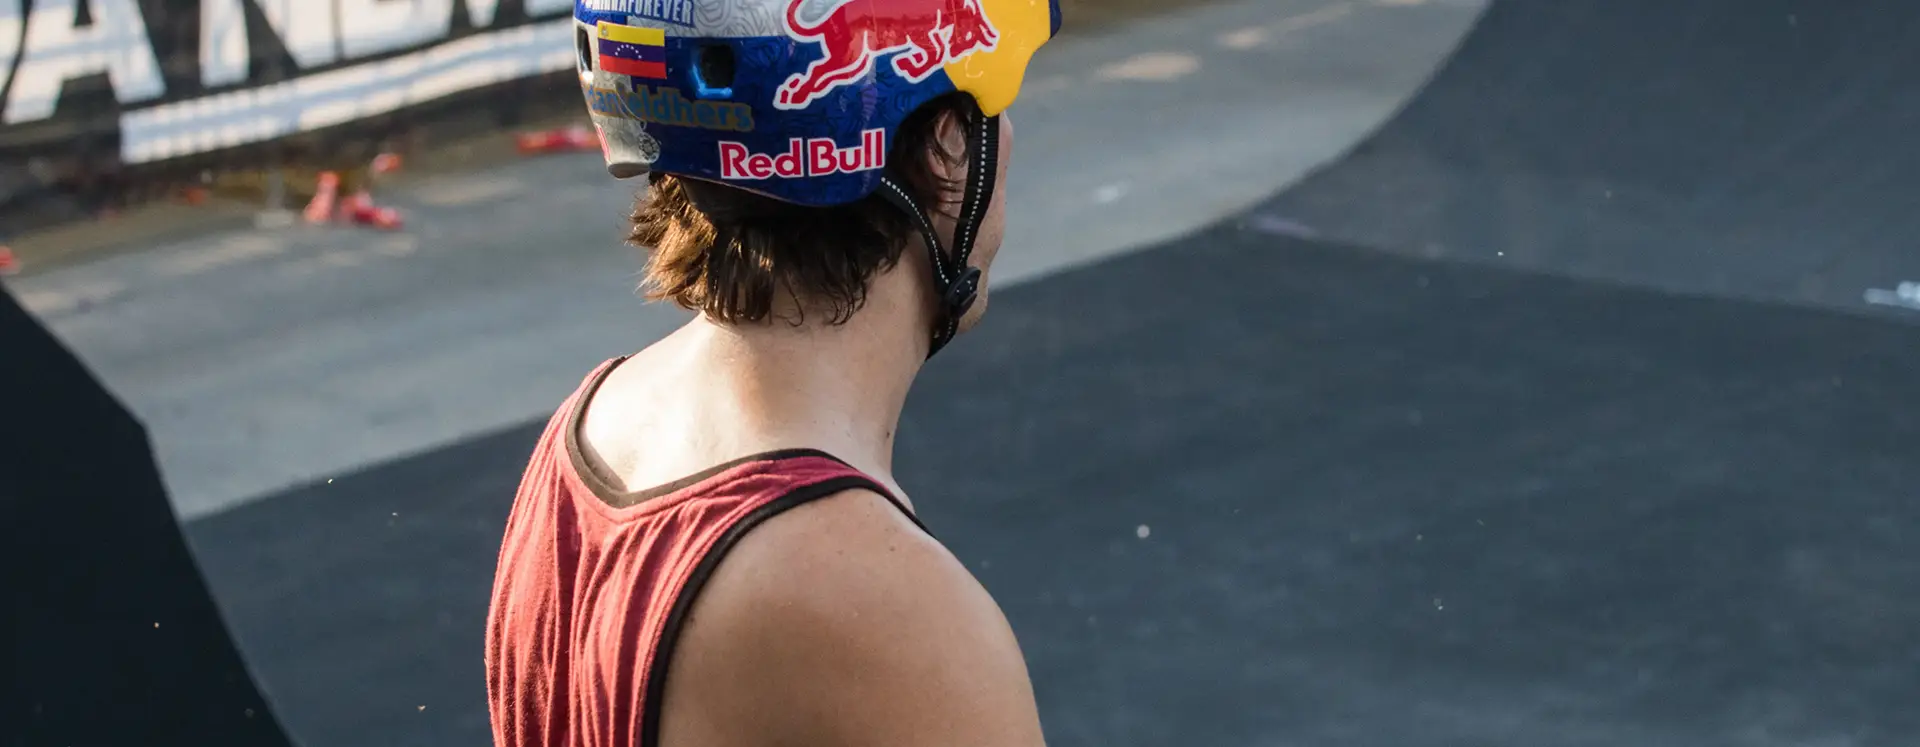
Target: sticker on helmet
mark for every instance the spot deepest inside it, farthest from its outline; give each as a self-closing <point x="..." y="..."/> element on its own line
<point x="646" y="147"/>
<point x="667" y="106"/>
<point x="922" y="36"/>
<point x="818" y="156"/>
<point x="678" y="12"/>
<point x="633" y="50"/>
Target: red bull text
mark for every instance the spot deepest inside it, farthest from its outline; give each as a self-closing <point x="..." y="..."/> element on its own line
<point x="818" y="156"/>
<point x="926" y="34"/>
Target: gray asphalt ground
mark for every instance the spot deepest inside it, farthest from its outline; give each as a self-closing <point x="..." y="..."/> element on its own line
<point x="265" y="359"/>
<point x="1745" y="148"/>
<point x="1327" y="497"/>
<point x="1244" y="486"/>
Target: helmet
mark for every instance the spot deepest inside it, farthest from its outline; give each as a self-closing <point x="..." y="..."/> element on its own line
<point x="794" y="99"/>
<point x="799" y="100"/>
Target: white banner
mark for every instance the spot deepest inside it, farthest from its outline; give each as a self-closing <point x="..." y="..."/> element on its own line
<point x="350" y="59"/>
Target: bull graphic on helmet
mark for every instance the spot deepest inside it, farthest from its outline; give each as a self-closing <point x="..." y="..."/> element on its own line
<point x="923" y="36"/>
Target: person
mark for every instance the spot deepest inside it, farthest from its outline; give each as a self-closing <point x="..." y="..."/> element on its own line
<point x="709" y="546"/>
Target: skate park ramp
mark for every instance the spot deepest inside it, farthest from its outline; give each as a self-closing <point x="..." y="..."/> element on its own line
<point x="1253" y="487"/>
<point x="1318" y="496"/>
<point x="1754" y="148"/>
<point x="110" y="636"/>
<point x="1356" y="471"/>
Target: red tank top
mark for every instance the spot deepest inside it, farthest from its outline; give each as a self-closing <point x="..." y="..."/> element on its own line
<point x="588" y="598"/>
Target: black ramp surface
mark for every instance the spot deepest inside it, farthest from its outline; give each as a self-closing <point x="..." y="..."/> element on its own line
<point x="108" y="635"/>
<point x="1760" y="148"/>
<point x="1242" y="490"/>
<point x="362" y="601"/>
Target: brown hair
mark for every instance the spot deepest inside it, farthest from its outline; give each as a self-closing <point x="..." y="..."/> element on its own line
<point x="725" y="252"/>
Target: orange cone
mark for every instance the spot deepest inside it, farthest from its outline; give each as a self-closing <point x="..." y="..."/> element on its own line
<point x="356" y="202"/>
<point x="562" y="140"/>
<point x="386" y="163"/>
<point x="360" y="209"/>
<point x="326" y="192"/>
<point x="383" y="218"/>
<point x="9" y="264"/>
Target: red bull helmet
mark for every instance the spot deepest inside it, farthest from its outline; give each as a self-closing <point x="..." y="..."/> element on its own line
<point x="799" y="100"/>
<point x="794" y="99"/>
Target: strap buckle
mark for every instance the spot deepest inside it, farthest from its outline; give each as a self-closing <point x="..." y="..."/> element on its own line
<point x="962" y="293"/>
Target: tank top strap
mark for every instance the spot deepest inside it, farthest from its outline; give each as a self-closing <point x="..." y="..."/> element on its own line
<point x="819" y="474"/>
<point x="806" y="474"/>
<point x="575" y="408"/>
<point x="796" y="477"/>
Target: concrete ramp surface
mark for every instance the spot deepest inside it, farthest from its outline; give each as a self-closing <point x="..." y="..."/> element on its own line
<point x="1754" y="148"/>
<point x="1555" y="414"/>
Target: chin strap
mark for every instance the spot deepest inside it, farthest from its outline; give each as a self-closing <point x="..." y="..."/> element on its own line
<point x="955" y="282"/>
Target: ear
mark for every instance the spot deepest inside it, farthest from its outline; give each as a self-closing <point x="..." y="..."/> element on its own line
<point x="947" y="158"/>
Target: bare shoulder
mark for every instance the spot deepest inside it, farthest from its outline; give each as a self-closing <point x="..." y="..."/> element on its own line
<point x="840" y="623"/>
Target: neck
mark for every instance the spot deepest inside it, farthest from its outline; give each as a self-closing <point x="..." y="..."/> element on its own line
<point x="839" y="388"/>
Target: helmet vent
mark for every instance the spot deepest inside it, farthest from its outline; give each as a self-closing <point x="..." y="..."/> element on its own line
<point x="584" y="45"/>
<point x="713" y="71"/>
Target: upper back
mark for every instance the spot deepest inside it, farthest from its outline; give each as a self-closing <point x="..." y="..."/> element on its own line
<point x="591" y="588"/>
<point x="776" y="592"/>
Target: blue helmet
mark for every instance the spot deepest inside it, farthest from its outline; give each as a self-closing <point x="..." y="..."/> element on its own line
<point x="800" y="100"/>
<point x="794" y="99"/>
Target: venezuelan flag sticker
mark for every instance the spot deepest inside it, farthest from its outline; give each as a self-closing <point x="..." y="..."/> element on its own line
<point x="633" y="50"/>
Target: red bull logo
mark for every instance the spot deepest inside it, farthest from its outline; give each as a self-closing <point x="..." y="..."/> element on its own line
<point x="923" y="36"/>
<point x="818" y="156"/>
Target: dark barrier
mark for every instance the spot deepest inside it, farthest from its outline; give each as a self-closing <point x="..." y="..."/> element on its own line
<point x="110" y="636"/>
<point x="110" y="102"/>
